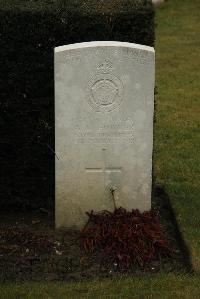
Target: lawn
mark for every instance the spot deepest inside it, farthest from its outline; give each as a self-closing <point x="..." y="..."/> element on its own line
<point x="155" y="287"/>
<point x="176" y="163"/>
<point x="177" y="138"/>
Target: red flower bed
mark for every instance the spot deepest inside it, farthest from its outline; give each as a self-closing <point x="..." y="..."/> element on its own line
<point x="126" y="238"/>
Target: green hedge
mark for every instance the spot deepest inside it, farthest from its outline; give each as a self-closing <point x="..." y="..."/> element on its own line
<point x="29" y="31"/>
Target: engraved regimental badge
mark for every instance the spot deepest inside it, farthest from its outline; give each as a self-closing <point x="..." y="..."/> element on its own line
<point x="105" y="90"/>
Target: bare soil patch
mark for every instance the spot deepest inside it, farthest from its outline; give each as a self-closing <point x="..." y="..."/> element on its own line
<point x="30" y="249"/>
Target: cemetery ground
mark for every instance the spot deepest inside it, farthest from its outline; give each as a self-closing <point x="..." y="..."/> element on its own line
<point x="176" y="180"/>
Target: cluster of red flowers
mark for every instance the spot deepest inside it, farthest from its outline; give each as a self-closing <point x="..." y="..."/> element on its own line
<point x="126" y="238"/>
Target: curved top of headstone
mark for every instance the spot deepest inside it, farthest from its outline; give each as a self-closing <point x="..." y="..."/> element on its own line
<point x="103" y="44"/>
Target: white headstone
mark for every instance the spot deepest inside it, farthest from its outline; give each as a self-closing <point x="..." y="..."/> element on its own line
<point x="104" y="104"/>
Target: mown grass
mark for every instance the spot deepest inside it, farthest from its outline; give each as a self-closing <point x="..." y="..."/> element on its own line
<point x="176" y="161"/>
<point x="155" y="287"/>
<point x="177" y="131"/>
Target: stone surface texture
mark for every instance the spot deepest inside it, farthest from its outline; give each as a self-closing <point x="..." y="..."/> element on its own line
<point x="158" y="2"/>
<point x="104" y="105"/>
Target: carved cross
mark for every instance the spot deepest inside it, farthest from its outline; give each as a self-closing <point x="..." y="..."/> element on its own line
<point x="104" y="169"/>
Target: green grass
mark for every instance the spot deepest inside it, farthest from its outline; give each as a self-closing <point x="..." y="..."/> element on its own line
<point x="177" y="163"/>
<point x="154" y="287"/>
<point x="177" y="138"/>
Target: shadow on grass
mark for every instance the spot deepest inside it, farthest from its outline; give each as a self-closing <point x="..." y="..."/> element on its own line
<point x="161" y="201"/>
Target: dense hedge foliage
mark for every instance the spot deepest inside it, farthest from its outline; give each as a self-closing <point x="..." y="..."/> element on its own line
<point x="28" y="36"/>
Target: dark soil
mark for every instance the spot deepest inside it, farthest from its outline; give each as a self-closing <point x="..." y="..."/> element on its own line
<point x="30" y="249"/>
